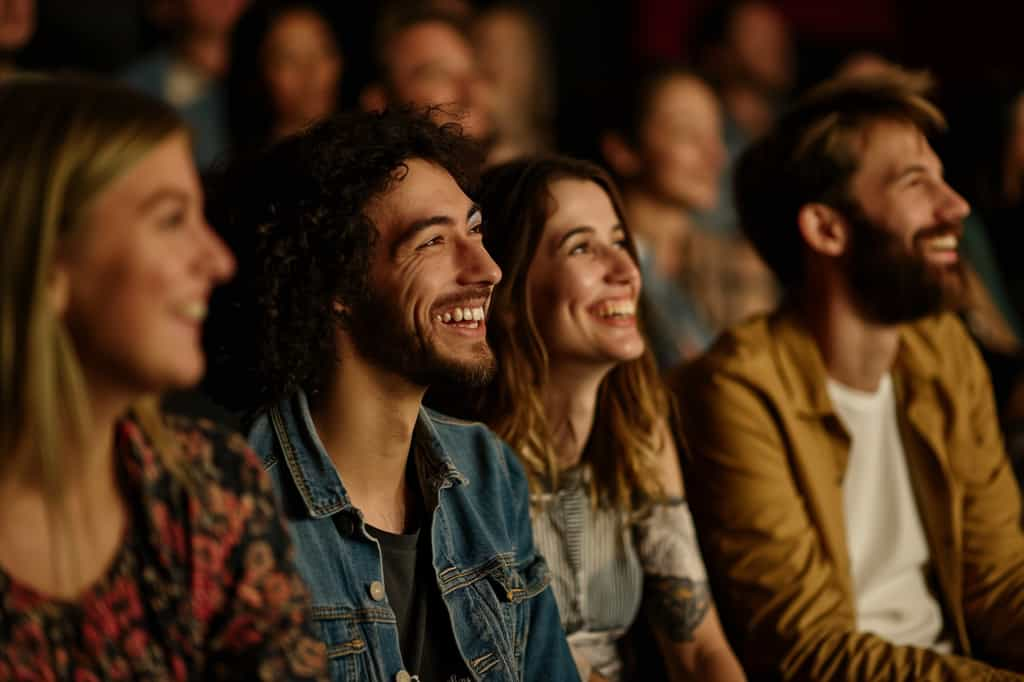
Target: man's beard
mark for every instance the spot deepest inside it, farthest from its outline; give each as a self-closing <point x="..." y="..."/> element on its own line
<point x="383" y="338"/>
<point x="892" y="285"/>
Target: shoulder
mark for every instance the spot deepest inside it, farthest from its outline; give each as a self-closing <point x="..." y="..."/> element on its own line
<point x="477" y="451"/>
<point x="745" y="352"/>
<point x="939" y="339"/>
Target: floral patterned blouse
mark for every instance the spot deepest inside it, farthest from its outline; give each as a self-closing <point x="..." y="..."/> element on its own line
<point x="202" y="587"/>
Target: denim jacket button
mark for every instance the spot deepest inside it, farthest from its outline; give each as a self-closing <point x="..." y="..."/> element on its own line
<point x="403" y="676"/>
<point x="376" y="590"/>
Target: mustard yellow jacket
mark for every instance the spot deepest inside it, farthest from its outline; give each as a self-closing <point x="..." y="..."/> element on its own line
<point x="767" y="455"/>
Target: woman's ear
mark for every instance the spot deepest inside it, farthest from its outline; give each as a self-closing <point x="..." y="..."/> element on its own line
<point x="58" y="288"/>
<point x="823" y="228"/>
<point x="619" y="156"/>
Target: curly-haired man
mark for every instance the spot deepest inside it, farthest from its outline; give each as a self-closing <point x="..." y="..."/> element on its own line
<point x="362" y="280"/>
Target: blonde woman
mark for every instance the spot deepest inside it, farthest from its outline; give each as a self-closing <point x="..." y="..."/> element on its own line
<point x="578" y="396"/>
<point x="131" y="546"/>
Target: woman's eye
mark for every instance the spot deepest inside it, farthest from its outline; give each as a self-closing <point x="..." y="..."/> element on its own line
<point x="173" y="220"/>
<point x="620" y="243"/>
<point x="582" y="247"/>
<point x="477" y="229"/>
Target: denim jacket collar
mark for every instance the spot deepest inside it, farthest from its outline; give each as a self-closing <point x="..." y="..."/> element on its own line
<point x="315" y="475"/>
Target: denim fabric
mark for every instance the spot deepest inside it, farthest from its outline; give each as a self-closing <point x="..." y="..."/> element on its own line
<point x="491" y="577"/>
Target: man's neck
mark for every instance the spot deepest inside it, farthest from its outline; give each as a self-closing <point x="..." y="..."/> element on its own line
<point x="365" y="420"/>
<point x="665" y="225"/>
<point x="570" y="401"/>
<point x="857" y="352"/>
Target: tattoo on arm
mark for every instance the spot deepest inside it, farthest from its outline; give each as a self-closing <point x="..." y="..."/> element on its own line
<point x="676" y="606"/>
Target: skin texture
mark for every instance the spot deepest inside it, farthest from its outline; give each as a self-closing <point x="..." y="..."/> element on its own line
<point x="302" y="67"/>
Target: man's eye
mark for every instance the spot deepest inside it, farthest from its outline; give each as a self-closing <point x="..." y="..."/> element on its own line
<point x="431" y="242"/>
<point x="477" y="229"/>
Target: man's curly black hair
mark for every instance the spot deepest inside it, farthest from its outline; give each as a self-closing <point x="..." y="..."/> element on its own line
<point x="295" y="218"/>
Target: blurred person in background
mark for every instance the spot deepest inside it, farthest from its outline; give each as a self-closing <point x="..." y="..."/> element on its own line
<point x="424" y="58"/>
<point x="579" y="398"/>
<point x="515" y="60"/>
<point x="187" y="74"/>
<point x="17" y="24"/>
<point x="132" y="545"/>
<point x="664" y="140"/>
<point x="286" y="69"/>
<point x="856" y="507"/>
<point x="746" y="49"/>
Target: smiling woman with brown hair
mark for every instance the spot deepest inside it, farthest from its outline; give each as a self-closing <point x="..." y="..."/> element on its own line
<point x="578" y="396"/>
<point x="130" y="544"/>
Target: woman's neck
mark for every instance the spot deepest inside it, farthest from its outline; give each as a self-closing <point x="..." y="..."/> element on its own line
<point x="570" y="403"/>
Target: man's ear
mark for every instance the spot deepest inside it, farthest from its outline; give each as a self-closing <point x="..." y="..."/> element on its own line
<point x="373" y="98"/>
<point x="619" y="156"/>
<point x="823" y="228"/>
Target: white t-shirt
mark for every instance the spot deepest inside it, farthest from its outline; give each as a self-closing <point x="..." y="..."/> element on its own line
<point x="885" y="537"/>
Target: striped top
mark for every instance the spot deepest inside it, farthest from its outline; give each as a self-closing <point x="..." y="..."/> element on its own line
<point x="598" y="559"/>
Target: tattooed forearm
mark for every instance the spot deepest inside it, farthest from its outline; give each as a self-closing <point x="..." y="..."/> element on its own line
<point x="676" y="606"/>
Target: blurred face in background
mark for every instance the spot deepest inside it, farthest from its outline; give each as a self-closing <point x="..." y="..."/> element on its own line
<point x="432" y="64"/>
<point x="17" y="24"/>
<point x="681" y="144"/>
<point x="135" y="277"/>
<point x="761" y="46"/>
<point x="507" y="50"/>
<point x="302" y="67"/>
<point x="212" y="16"/>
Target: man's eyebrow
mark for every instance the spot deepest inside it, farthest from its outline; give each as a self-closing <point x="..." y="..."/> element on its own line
<point x="162" y="194"/>
<point x="422" y="224"/>
<point x="900" y="173"/>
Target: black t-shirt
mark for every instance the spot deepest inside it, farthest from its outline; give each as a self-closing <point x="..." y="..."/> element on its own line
<point x="424" y="627"/>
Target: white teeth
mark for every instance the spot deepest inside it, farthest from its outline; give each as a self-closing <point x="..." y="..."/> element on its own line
<point x="617" y="308"/>
<point x="447" y="317"/>
<point x="467" y="314"/>
<point x="457" y="315"/>
<point x="478" y="314"/>
<point x="945" y="242"/>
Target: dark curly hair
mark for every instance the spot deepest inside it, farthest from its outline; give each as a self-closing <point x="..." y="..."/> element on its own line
<point x="295" y="218"/>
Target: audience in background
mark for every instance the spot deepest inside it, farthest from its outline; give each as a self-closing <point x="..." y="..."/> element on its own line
<point x="579" y="398"/>
<point x="187" y="74"/>
<point x="745" y="48"/>
<point x="664" y="141"/>
<point x="364" y="280"/>
<point x="131" y="546"/>
<point x="515" y="60"/>
<point x="424" y="58"/>
<point x="286" y="69"/>
<point x="857" y="510"/>
<point x="17" y="24"/>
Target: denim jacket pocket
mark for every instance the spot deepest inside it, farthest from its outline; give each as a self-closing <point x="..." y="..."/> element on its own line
<point x="513" y="587"/>
<point x="347" y="648"/>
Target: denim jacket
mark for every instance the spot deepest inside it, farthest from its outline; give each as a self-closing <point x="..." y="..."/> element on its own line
<point x="491" y="577"/>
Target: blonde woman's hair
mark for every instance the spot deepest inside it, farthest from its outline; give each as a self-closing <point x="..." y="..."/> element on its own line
<point x="633" y="409"/>
<point x="62" y="141"/>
